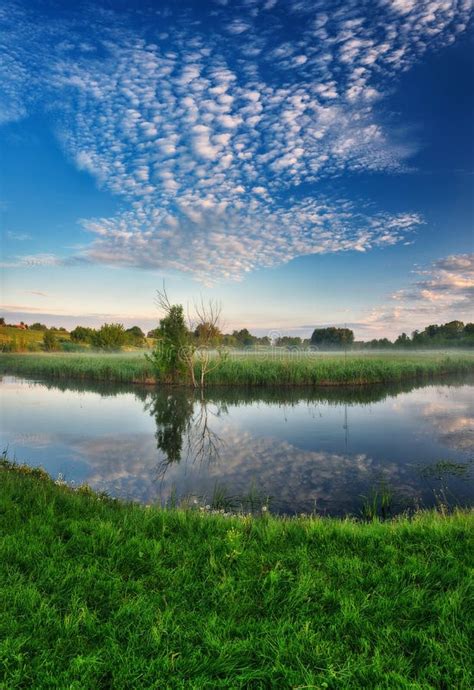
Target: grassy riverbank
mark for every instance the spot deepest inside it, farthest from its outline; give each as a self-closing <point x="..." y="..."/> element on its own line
<point x="249" y="370"/>
<point x="121" y="368"/>
<point x="96" y="593"/>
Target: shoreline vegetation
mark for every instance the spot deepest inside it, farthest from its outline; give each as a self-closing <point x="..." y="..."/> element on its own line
<point x="247" y="369"/>
<point x="204" y="329"/>
<point x="100" y="593"/>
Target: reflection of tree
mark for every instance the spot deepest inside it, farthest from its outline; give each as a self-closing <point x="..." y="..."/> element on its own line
<point x="203" y="442"/>
<point x="242" y="395"/>
<point x="183" y="427"/>
<point x="173" y="412"/>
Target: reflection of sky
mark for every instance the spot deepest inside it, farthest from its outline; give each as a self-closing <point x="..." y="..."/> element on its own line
<point x="302" y="455"/>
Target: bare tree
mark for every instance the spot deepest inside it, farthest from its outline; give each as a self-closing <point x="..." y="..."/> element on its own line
<point x="162" y="300"/>
<point x="182" y="348"/>
<point x="209" y="352"/>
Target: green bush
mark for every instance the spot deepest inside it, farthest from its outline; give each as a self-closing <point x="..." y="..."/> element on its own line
<point x="173" y="340"/>
<point x="111" y="336"/>
<point x="82" y="334"/>
<point x="50" y="342"/>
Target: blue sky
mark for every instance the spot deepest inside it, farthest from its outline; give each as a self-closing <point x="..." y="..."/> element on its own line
<point x="304" y="162"/>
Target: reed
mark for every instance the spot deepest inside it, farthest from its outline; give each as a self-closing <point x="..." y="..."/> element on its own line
<point x="123" y="368"/>
<point x="246" y="370"/>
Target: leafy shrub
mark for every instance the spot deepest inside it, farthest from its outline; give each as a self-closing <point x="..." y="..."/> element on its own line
<point x="111" y="336"/>
<point x="173" y="340"/>
<point x="50" y="342"/>
<point x="82" y="334"/>
<point x="135" y="336"/>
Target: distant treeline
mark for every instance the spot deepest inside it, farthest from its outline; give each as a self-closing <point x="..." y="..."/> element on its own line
<point x="21" y="337"/>
<point x="451" y="334"/>
<point x="115" y="336"/>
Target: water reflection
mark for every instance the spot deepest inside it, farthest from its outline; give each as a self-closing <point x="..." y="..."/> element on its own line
<point x="173" y="413"/>
<point x="183" y="427"/>
<point x="305" y="449"/>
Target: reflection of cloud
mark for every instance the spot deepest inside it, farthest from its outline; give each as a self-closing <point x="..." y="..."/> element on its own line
<point x="94" y="442"/>
<point x="300" y="479"/>
<point x="122" y="466"/>
<point x="453" y="424"/>
<point x="333" y="481"/>
<point x="448" y="416"/>
<point x="293" y="477"/>
<point x="37" y="440"/>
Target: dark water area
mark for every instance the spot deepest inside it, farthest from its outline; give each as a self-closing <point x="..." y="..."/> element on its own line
<point x="332" y="451"/>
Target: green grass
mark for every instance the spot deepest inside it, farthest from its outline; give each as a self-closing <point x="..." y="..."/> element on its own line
<point x="26" y="340"/>
<point x="125" y="368"/>
<point x="337" y="370"/>
<point x="101" y="594"/>
<point x="246" y="370"/>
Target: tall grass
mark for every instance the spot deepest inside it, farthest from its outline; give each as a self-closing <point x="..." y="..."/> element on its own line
<point x="336" y="370"/>
<point x="246" y="370"/>
<point x="99" y="594"/>
<point x="124" y="368"/>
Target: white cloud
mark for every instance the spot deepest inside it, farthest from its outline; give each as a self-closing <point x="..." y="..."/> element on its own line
<point x="239" y="237"/>
<point x="206" y="137"/>
<point x="31" y="260"/>
<point x="18" y="236"/>
<point x="35" y="260"/>
<point x="443" y="291"/>
<point x="237" y="26"/>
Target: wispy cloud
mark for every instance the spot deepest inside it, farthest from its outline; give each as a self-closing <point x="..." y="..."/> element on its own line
<point x="70" y="318"/>
<point x="18" y="236"/>
<point x="208" y="135"/>
<point x="36" y="260"/>
<point x="31" y="260"/>
<point x="442" y="291"/>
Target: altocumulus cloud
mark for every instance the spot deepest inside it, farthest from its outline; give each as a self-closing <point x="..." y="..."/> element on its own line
<point x="206" y="126"/>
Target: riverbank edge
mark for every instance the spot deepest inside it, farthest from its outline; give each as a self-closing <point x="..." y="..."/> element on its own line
<point x="97" y="592"/>
<point x="323" y="373"/>
<point x="23" y="471"/>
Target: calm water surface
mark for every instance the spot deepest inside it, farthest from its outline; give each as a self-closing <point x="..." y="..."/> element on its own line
<point x="302" y="450"/>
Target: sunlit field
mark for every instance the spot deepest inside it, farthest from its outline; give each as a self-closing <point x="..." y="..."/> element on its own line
<point x="28" y="339"/>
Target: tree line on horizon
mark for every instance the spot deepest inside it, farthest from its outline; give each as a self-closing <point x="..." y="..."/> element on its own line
<point x="115" y="336"/>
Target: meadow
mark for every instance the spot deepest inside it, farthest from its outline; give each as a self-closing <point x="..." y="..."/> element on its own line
<point x="98" y="593"/>
<point x="29" y="340"/>
<point x="247" y="369"/>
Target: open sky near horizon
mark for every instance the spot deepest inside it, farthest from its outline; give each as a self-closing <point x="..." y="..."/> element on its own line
<point x="304" y="162"/>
